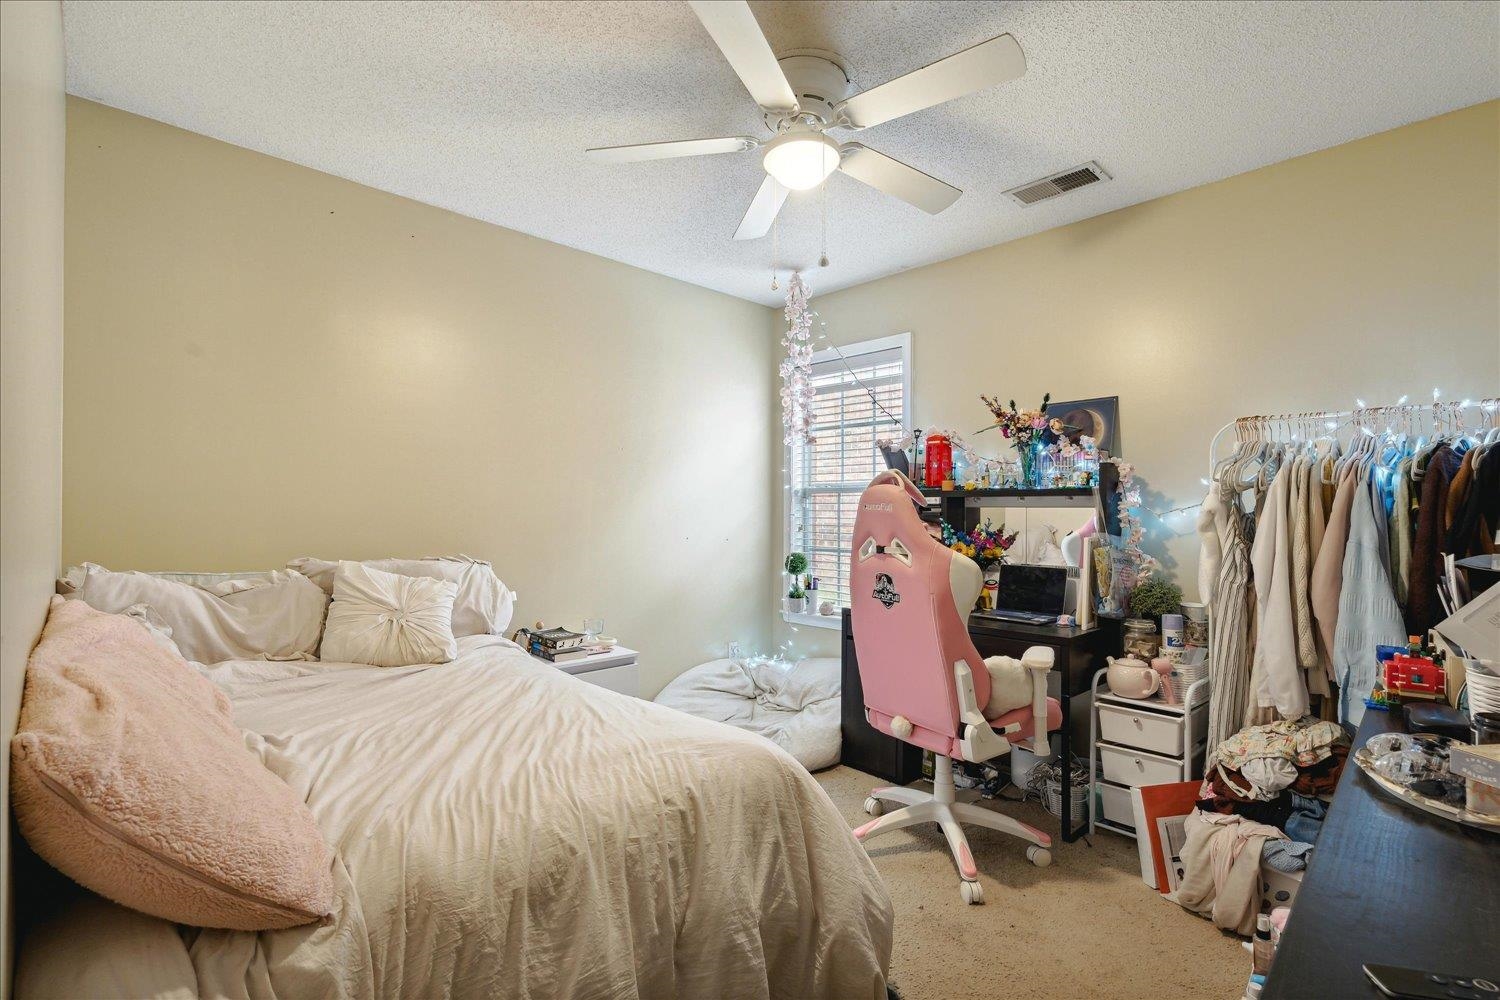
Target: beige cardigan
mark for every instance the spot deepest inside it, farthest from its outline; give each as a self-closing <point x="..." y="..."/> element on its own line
<point x="1328" y="570"/>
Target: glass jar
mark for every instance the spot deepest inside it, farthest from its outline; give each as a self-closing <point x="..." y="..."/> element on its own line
<point x="1197" y="633"/>
<point x="1140" y="638"/>
<point x="1486" y="727"/>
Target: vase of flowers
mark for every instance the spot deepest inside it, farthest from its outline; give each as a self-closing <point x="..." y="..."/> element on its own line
<point x="1024" y="429"/>
<point x="987" y="546"/>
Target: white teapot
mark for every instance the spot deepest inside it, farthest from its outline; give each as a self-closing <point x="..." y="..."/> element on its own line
<point x="1132" y="678"/>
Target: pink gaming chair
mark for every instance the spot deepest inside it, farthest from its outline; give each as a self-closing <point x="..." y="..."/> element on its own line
<point x="924" y="681"/>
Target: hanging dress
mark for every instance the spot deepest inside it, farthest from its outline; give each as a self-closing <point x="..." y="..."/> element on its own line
<point x="1229" y="654"/>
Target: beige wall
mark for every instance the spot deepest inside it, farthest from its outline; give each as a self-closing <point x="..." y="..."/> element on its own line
<point x="265" y="361"/>
<point x="31" y="330"/>
<point x="1370" y="270"/>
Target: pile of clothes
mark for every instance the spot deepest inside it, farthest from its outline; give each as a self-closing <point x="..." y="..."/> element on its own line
<point x="1265" y="794"/>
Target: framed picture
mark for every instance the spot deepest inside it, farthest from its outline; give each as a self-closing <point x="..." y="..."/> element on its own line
<point x="1098" y="418"/>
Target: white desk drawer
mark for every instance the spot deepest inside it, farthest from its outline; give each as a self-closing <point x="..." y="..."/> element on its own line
<point x="1146" y="729"/>
<point x="624" y="679"/>
<point x="1129" y="766"/>
<point x="1141" y="729"/>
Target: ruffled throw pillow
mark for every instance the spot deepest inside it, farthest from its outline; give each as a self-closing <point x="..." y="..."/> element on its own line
<point x="389" y="620"/>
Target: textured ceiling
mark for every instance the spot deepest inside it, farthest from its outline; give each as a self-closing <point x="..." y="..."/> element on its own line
<point x="486" y="108"/>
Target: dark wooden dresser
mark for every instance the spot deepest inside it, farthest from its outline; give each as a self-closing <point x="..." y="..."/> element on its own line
<point x="1388" y="885"/>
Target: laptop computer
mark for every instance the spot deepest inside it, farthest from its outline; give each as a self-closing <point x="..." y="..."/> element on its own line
<point x="1031" y="595"/>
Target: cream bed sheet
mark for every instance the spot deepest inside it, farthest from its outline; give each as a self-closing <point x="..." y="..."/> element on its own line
<point x="501" y="829"/>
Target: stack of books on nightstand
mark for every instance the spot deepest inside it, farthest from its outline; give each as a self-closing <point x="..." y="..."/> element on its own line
<point x="558" y="645"/>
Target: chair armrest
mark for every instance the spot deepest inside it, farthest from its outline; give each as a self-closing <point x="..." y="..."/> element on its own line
<point x="979" y="741"/>
<point x="1039" y="660"/>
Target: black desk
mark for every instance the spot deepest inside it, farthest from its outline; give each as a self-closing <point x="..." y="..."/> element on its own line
<point x="1079" y="653"/>
<point x="1388" y="885"/>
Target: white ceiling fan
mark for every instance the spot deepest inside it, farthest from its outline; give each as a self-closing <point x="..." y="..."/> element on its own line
<point x="806" y="93"/>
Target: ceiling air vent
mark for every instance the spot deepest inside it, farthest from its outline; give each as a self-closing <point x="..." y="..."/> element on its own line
<point x="1060" y="183"/>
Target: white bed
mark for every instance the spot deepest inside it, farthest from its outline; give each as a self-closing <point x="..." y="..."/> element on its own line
<point x="501" y="829"/>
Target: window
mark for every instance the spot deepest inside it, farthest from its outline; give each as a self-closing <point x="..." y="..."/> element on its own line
<point x="827" y="476"/>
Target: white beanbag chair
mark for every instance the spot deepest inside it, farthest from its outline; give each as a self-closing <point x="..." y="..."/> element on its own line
<point x="796" y="708"/>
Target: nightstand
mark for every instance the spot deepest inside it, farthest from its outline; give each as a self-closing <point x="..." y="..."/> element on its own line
<point x="615" y="669"/>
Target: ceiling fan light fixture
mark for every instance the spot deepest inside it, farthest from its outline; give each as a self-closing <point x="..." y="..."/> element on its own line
<point x="801" y="160"/>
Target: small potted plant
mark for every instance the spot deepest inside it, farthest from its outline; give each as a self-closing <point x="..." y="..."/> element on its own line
<point x="1154" y="598"/>
<point x="796" y="598"/>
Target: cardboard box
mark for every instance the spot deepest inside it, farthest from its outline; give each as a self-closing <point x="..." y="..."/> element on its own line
<point x="1480" y="769"/>
<point x="1481" y="763"/>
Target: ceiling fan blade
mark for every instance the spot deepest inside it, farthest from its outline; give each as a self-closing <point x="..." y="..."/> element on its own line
<point x="666" y="150"/>
<point x="986" y="64"/>
<point x="762" y="210"/>
<point x="737" y="34"/>
<point x="895" y="178"/>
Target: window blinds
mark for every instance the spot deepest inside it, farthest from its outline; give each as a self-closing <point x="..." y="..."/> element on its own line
<point x="828" y="475"/>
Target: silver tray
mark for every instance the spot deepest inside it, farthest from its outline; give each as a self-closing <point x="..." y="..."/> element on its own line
<point x="1366" y="762"/>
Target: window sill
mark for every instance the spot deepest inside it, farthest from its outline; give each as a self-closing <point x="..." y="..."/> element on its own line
<point x="814" y="620"/>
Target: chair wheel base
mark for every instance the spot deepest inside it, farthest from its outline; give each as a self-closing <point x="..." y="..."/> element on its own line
<point x="1039" y="856"/>
<point x="874" y="806"/>
<point x="971" y="893"/>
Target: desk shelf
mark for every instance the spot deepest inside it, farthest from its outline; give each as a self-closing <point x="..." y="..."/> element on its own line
<point x="1076" y="496"/>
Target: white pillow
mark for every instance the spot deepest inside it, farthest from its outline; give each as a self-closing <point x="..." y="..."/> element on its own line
<point x="279" y="618"/>
<point x="389" y="620"/>
<point x="484" y="604"/>
<point x="155" y="625"/>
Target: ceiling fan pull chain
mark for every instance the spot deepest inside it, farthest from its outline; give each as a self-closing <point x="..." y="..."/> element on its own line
<point x="775" y="253"/>
<point x="823" y="260"/>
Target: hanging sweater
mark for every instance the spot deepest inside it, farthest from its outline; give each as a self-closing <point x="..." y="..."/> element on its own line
<point x="1368" y="614"/>
<point x="1423" y="607"/>
<point x="1401" y="531"/>
<point x="1473" y="513"/>
<point x="1302" y="557"/>
<point x="1276" y="678"/>
<point x="1213" y="533"/>
<point x="1328" y="568"/>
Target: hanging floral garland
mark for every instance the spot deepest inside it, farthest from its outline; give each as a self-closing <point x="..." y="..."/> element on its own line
<point x="1131" y="529"/>
<point x="796" y="369"/>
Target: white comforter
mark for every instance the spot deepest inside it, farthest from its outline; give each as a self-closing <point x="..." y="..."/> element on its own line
<point x="504" y="830"/>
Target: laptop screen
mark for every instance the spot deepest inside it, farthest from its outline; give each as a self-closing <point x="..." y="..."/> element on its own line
<point x="1038" y="589"/>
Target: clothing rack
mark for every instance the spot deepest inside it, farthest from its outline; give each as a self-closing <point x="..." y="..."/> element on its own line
<point x="1476" y="421"/>
<point x="1441" y="413"/>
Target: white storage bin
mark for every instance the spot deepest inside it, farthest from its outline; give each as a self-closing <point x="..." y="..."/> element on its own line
<point x="1129" y="766"/>
<point x="1277" y="888"/>
<point x="1114" y="804"/>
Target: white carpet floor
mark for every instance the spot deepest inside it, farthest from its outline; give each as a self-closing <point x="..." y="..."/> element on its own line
<point x="1086" y="926"/>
